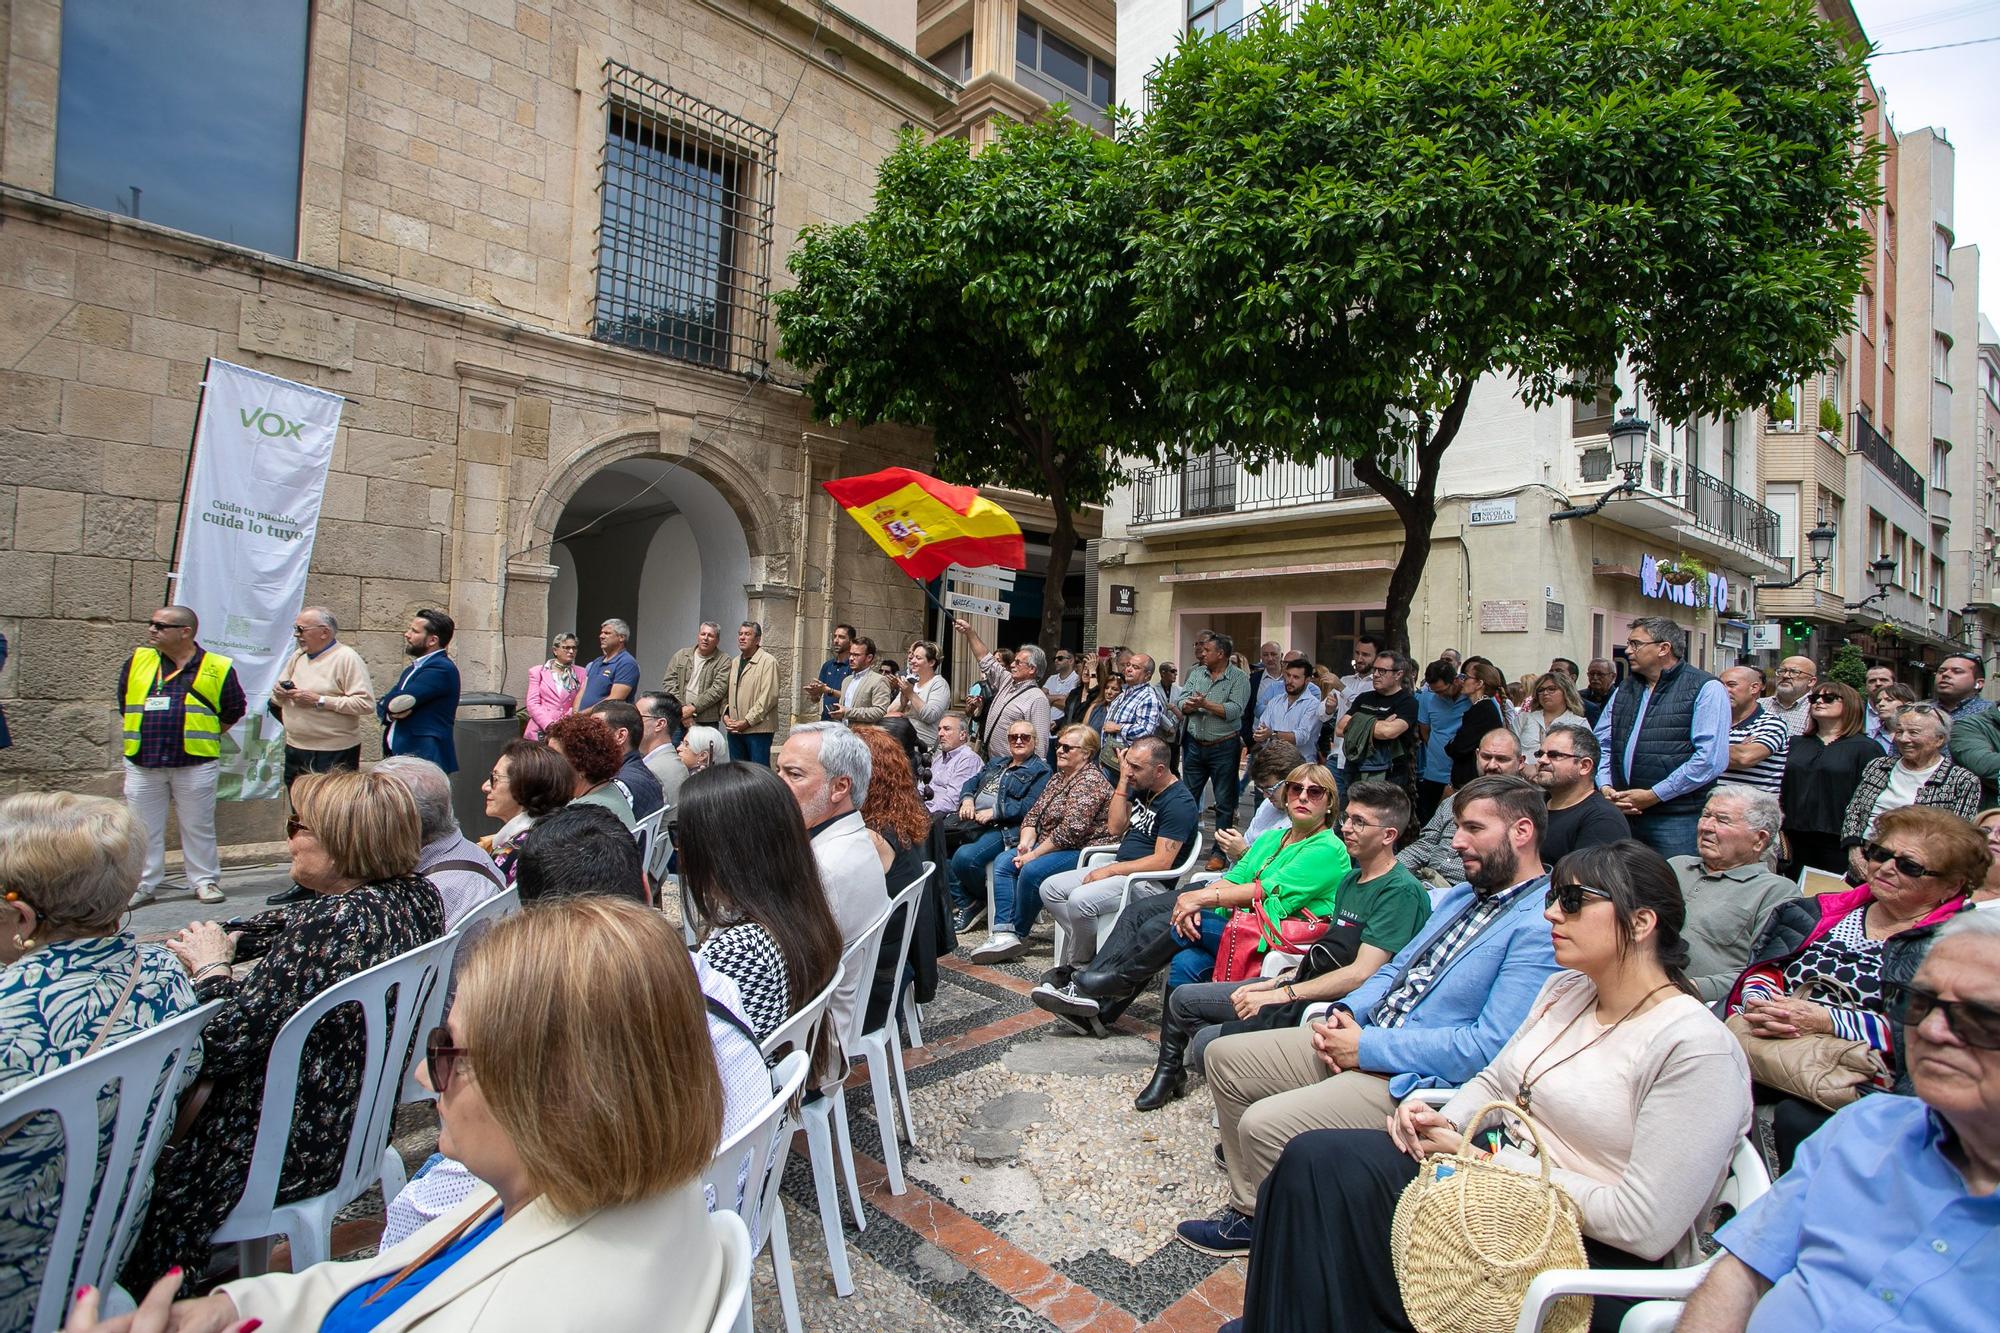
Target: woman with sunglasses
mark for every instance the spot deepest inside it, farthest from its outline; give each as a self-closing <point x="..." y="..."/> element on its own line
<point x="1822" y="768"/>
<point x="552" y="686"/>
<point x="1640" y="1094"/>
<point x="587" y="1110"/>
<point x="1067" y="817"/>
<point x="354" y="840"/>
<point x="1819" y="964"/>
<point x="1919" y="773"/>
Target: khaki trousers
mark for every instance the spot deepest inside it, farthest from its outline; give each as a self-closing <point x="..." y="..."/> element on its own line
<point x="1269" y="1088"/>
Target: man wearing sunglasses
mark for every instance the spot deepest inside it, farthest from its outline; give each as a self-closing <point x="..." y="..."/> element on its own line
<point x="1894" y="1205"/>
<point x="1664" y="738"/>
<point x="177" y="699"/>
<point x="1566" y="771"/>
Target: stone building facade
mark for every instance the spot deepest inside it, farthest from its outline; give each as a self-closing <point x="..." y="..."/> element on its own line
<point x="446" y="282"/>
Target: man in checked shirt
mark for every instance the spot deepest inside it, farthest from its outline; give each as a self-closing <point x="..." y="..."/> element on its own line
<point x="1137" y="712"/>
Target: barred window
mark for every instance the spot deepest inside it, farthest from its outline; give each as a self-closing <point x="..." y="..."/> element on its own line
<point x="684" y="244"/>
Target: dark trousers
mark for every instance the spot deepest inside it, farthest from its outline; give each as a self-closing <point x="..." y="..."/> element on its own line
<point x="1821" y="851"/>
<point x="1202" y="763"/>
<point x="751" y="746"/>
<point x="299" y="762"/>
<point x="1321" y="1258"/>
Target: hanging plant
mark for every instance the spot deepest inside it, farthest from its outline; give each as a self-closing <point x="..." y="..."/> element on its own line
<point x="1885" y="631"/>
<point x="1682" y="570"/>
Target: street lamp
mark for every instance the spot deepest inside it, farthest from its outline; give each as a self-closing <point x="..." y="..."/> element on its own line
<point x="1882" y="570"/>
<point x="1819" y="543"/>
<point x="1630" y="434"/>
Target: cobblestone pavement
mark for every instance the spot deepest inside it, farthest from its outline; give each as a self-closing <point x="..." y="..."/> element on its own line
<point x="1037" y="1197"/>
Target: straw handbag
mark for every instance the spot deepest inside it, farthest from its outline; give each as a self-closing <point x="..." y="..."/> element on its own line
<point x="1470" y="1235"/>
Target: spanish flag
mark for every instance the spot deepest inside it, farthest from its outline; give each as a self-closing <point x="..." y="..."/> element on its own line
<point x="925" y="525"/>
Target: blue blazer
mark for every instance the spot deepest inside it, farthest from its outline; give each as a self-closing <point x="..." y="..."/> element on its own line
<point x="1471" y="1008"/>
<point x="426" y="732"/>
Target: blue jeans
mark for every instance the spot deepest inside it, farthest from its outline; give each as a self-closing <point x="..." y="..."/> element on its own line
<point x="751" y="746"/>
<point x="968" y="867"/>
<point x="1196" y="961"/>
<point x="1017" y="894"/>
<point x="1669" y="835"/>
<point x="1201" y="764"/>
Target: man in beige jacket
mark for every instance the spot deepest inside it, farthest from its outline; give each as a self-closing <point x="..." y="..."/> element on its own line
<point x="750" y="713"/>
<point x="321" y="697"/>
<point x="699" y="677"/>
<point x="866" y="694"/>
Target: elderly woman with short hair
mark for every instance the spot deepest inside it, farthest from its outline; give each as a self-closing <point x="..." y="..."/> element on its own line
<point x="1013" y="690"/>
<point x="1919" y="773"/>
<point x="72" y="982"/>
<point x="552" y="686"/>
<point x="576" y="1080"/>
<point x="1067" y="817"/>
<point x="1819" y="964"/>
<point x="530" y="781"/>
<point x="701" y="747"/>
<point x="354" y="839"/>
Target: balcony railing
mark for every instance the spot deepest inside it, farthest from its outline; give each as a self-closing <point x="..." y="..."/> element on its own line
<point x="1711" y="502"/>
<point x="1217" y="483"/>
<point x="1868" y="442"/>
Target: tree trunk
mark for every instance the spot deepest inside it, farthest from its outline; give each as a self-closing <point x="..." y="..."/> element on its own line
<point x="1416" y="506"/>
<point x="1062" y="544"/>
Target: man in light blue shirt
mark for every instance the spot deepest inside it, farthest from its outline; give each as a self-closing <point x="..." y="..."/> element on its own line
<point x="1889" y="1218"/>
<point x="1440" y="708"/>
<point x="1293" y="711"/>
<point x="1664" y="738"/>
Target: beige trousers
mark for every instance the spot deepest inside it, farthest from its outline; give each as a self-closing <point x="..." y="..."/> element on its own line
<point x="1271" y="1087"/>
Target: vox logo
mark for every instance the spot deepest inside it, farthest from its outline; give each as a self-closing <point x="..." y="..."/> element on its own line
<point x="271" y="424"/>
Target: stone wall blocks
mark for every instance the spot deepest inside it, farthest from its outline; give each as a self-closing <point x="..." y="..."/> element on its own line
<point x="123" y="526"/>
<point x="405" y="503"/>
<point x="212" y="303"/>
<point x="30" y="402"/>
<point x="48" y="520"/>
<point x="141" y="471"/>
<point x="27" y="585"/>
<point x="400" y="457"/>
<point x="389" y="603"/>
<point x="149" y="586"/>
<point x="38" y="266"/>
<point x="50" y="658"/>
<point x="97" y="324"/>
<point x="65" y="738"/>
<point x="174" y="341"/>
<point x="100" y="412"/>
<point x="346" y="496"/>
<point x="114" y="368"/>
<point x="115" y="283"/>
<point x="338" y="593"/>
<point x="93" y="588"/>
<point x="366" y="548"/>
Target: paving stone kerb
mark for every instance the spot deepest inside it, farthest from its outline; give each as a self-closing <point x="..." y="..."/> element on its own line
<point x="1081" y="1055"/>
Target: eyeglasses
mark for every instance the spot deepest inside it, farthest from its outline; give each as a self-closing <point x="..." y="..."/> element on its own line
<point x="1570" y="897"/>
<point x="1356" y="821"/>
<point x="1795" y="672"/>
<point x="1014" y="736"/>
<point x="295" y="826"/>
<point x="163" y="626"/>
<point x="1974" y="1024"/>
<point x="1554" y="754"/>
<point x="1631" y="644"/>
<point x="1826" y="697"/>
<point x="1312" y="791"/>
<point x="1877" y="854"/>
<point x="441" y="1058"/>
<point x="1064" y="747"/>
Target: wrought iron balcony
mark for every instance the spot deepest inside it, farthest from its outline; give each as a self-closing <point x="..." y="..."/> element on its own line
<point x="1216" y="483"/>
<point x="1868" y="442"/>
<point x="1711" y="502"/>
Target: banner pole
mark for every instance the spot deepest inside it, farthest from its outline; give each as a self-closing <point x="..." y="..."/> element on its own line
<point x="187" y="483"/>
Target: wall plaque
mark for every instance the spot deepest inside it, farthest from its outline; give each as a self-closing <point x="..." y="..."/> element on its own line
<point x="296" y="332"/>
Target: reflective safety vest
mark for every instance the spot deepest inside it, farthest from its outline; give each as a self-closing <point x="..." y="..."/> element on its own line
<point x="201" y="717"/>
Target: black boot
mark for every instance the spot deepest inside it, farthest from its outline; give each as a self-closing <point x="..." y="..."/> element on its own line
<point x="1169" y="1075"/>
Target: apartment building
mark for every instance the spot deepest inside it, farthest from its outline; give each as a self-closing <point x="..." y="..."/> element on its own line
<point x="533" y="246"/>
<point x="1016" y="58"/>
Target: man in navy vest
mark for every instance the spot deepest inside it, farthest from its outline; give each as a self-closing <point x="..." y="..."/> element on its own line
<point x="1665" y="738"/>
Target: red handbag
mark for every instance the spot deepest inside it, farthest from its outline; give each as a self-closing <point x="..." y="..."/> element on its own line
<point x="1237" y="957"/>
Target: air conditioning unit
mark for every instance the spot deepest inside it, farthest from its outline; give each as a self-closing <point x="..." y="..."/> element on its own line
<point x="1739" y="598"/>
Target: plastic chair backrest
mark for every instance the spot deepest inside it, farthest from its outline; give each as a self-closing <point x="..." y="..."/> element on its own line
<point x="906" y="898"/>
<point x="659" y="850"/>
<point x="859" y="958"/>
<point x="470" y="927"/>
<point x="96" y="1223"/>
<point x="749" y="1166"/>
<point x="733" y="1305"/>
<point x="1749" y="1179"/>
<point x="1190" y="863"/>
<point x="796" y="1032"/>
<point x="391" y="1040"/>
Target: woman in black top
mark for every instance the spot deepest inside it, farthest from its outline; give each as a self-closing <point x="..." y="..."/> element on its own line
<point x="1484" y="685"/>
<point x="1822" y="769"/>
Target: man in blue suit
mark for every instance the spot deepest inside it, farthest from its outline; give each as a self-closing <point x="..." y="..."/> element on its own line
<point x="418" y="711"/>
<point x="1432" y="1016"/>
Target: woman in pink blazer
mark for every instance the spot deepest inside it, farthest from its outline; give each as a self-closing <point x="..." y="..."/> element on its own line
<point x="552" y="686"/>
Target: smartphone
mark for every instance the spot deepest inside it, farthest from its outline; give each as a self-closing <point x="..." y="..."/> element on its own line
<point x="284" y="685"/>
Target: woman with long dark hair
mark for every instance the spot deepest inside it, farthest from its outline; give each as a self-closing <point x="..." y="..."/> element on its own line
<point x="749" y="867"/>
<point x="1640" y="1093"/>
<point x="1481" y="683"/>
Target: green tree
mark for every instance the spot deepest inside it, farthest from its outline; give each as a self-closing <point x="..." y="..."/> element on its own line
<point x="988" y="297"/>
<point x="1350" y="217"/>
<point x="1849" y="668"/>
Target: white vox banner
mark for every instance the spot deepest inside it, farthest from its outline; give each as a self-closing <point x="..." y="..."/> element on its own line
<point x="262" y="447"/>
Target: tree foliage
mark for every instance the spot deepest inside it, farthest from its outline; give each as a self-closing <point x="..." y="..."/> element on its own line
<point x="1348" y="218"/>
<point x="990" y="298"/>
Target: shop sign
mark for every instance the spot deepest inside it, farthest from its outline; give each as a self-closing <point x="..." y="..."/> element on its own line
<point x="1124" y="600"/>
<point x="1765" y="636"/>
<point x="1552" y="617"/>
<point x="1490" y="513"/>
<point x="1652" y="585"/>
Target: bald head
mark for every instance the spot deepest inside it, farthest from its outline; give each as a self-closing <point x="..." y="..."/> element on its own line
<point x="1796" y="675"/>
<point x="1499" y="752"/>
<point x="1745" y="686"/>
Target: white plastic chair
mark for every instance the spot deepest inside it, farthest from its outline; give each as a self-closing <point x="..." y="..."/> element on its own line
<point x="1169" y="881"/>
<point x="732" y="1311"/>
<point x="883" y="1046"/>
<point x="796" y="1034"/>
<point x="470" y="927"/>
<point x="642" y="833"/>
<point x="1663" y="1288"/>
<point x="96" y="1223"/>
<point x="748" y="1168"/>
<point x="308" y="1223"/>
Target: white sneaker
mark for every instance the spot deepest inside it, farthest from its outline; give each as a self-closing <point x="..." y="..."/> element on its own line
<point x="1000" y="947"/>
<point x="209" y="891"/>
<point x="141" y="897"/>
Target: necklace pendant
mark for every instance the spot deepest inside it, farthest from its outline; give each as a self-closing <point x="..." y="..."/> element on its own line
<point x="1523" y="1097"/>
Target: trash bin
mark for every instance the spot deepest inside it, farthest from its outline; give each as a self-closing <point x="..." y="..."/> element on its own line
<point x="484" y="725"/>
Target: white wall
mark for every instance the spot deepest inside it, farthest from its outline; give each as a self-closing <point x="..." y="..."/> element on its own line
<point x="562" y="600"/>
<point x="669" y="597"/>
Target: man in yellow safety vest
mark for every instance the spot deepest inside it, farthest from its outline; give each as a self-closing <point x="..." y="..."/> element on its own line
<point x="177" y="699"/>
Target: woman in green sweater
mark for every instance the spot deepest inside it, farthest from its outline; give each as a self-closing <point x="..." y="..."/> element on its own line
<point x="1297" y="864"/>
